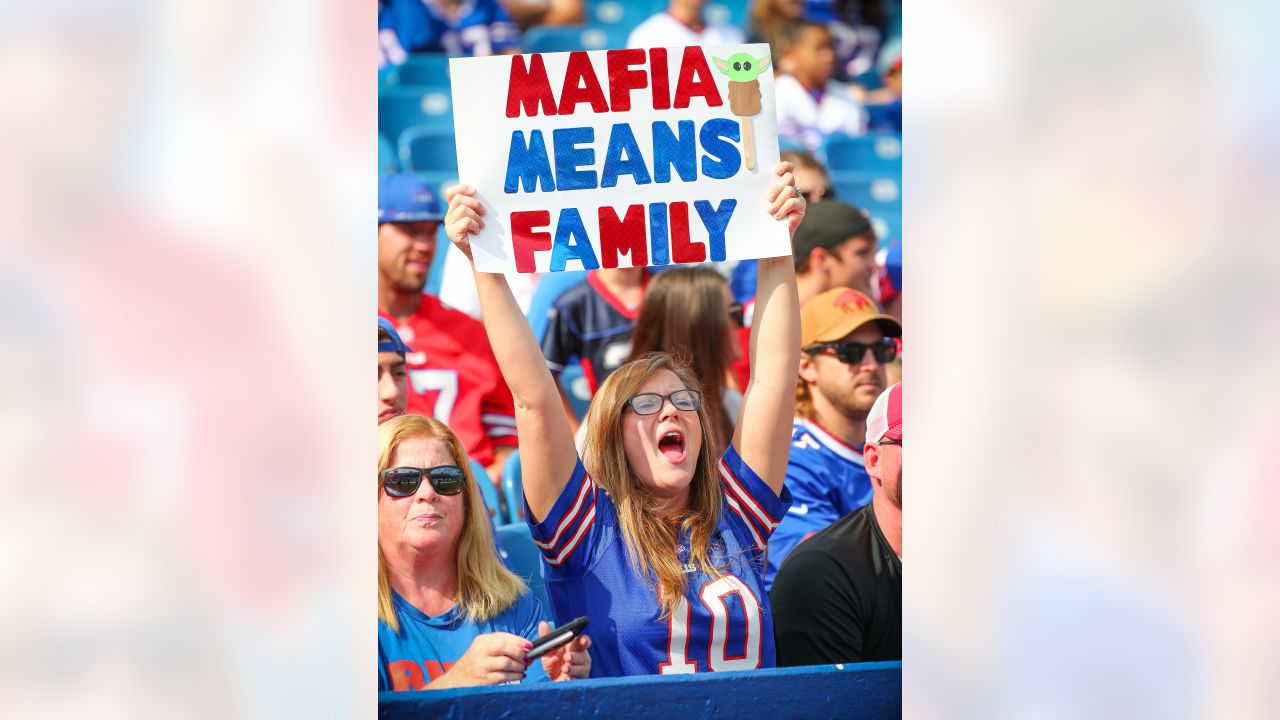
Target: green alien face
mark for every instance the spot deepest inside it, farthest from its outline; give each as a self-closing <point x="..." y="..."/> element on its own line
<point x="741" y="67"/>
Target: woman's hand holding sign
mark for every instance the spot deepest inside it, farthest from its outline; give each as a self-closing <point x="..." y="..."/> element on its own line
<point x="463" y="217"/>
<point x="784" y="202"/>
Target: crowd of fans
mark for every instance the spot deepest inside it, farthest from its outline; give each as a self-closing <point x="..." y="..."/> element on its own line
<point x="685" y="444"/>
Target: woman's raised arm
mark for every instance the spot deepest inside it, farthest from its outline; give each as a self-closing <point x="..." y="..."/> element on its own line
<point x="547" y="452"/>
<point x="762" y="435"/>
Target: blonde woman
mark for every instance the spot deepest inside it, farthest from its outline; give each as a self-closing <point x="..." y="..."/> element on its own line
<point x="450" y="614"/>
<point x="658" y="541"/>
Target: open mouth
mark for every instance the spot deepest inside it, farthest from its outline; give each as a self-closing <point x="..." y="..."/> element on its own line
<point x="671" y="445"/>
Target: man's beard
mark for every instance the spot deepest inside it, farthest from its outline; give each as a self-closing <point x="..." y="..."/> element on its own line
<point x="850" y="404"/>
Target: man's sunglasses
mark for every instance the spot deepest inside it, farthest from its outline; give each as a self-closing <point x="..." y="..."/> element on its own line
<point x="650" y="403"/>
<point x="404" y="481"/>
<point x="884" y="350"/>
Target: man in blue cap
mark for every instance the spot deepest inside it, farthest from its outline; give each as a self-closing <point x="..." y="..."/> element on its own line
<point x="453" y="376"/>
<point x="393" y="373"/>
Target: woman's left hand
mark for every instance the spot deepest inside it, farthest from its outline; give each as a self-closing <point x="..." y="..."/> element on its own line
<point x="783" y="201"/>
<point x="570" y="662"/>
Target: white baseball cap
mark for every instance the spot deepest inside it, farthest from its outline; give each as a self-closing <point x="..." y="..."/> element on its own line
<point x="885" y="418"/>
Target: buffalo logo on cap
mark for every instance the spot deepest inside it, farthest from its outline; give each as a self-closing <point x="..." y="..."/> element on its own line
<point x="854" y="298"/>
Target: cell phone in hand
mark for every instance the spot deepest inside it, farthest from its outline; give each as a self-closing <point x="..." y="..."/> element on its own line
<point x="557" y="638"/>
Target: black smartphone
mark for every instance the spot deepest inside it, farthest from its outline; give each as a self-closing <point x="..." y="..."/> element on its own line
<point x="556" y="638"/>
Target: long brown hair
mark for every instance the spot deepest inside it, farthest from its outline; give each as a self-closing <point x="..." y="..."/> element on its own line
<point x="650" y="538"/>
<point x="485" y="586"/>
<point x="684" y="315"/>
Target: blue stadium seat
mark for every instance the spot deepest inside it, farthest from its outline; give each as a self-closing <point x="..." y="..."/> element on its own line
<point x="388" y="78"/>
<point x="490" y="493"/>
<point x="624" y="13"/>
<point x="549" y="287"/>
<point x="404" y="108"/>
<point x="522" y="556"/>
<point x="887" y="118"/>
<point x="513" y="488"/>
<point x="425" y="70"/>
<point x="575" y="386"/>
<point x="568" y="38"/>
<point x="879" y="153"/>
<point x="879" y="195"/>
<point x="427" y="148"/>
<point x="727" y="12"/>
<point x="386" y="157"/>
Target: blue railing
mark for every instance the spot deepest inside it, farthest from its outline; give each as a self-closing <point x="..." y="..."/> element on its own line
<point x="866" y="690"/>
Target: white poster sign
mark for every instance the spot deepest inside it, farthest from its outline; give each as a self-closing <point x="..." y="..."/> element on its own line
<point x="619" y="158"/>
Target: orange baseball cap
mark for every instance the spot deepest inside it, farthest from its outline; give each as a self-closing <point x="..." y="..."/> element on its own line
<point x="839" y="311"/>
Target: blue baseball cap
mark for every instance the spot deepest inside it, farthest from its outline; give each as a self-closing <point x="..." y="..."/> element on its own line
<point x="395" y="345"/>
<point x="406" y="198"/>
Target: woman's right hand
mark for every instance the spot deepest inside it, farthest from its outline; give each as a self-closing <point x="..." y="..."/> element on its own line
<point x="493" y="658"/>
<point x="463" y="217"/>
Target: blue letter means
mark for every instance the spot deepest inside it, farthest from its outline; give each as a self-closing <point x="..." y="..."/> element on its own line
<point x="622" y="141"/>
<point x="527" y="164"/>
<point x="569" y="158"/>
<point x="727" y="158"/>
<point x="670" y="151"/>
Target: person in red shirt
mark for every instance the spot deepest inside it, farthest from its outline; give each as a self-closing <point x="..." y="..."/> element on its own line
<point x="453" y="376"/>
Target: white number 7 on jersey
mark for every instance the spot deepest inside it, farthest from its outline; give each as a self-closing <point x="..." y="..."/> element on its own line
<point x="444" y="382"/>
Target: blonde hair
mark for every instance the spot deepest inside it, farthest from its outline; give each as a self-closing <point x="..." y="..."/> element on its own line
<point x="485" y="586"/>
<point x="649" y="537"/>
<point x="804" y="399"/>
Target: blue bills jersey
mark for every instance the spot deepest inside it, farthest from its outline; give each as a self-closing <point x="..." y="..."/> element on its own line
<point x="827" y="481"/>
<point x="478" y="28"/>
<point x="721" y="623"/>
<point x="428" y="645"/>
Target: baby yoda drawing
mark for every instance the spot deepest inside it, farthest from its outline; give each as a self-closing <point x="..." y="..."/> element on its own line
<point x="744" y="96"/>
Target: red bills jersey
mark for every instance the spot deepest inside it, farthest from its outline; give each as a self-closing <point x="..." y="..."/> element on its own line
<point x="454" y="377"/>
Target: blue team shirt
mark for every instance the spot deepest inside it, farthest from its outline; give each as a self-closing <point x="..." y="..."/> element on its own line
<point x="428" y="645"/>
<point x="827" y="481"/>
<point x="720" y="624"/>
<point x="481" y="27"/>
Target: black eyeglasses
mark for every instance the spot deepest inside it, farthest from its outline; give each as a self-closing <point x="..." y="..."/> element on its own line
<point x="650" y="403"/>
<point x="890" y="441"/>
<point x="883" y="350"/>
<point x="404" y="481"/>
<point x="735" y="314"/>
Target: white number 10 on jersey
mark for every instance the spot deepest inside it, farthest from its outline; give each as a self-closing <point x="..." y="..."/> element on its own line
<point x="712" y="595"/>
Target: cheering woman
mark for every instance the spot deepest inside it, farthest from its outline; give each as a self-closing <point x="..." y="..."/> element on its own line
<point x="657" y="541"/>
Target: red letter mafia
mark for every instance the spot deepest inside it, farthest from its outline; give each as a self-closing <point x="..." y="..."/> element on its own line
<point x="529" y="88"/>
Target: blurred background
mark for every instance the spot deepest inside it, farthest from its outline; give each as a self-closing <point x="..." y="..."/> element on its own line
<point x="187" y="201"/>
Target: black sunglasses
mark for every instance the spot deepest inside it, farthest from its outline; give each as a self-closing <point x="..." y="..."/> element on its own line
<point x="883" y="350"/>
<point x="650" y="403"/>
<point x="404" y="481"/>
